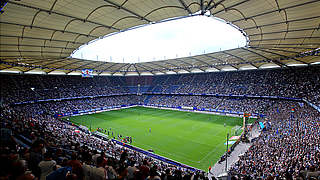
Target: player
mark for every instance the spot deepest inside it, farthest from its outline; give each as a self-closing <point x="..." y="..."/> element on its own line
<point x="149" y="130"/>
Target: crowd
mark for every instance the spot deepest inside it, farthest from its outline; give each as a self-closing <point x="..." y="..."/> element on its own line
<point x="37" y="145"/>
<point x="210" y="102"/>
<point x="200" y="102"/>
<point x="299" y="82"/>
<point x="289" y="148"/>
<point x="33" y="143"/>
<point x="67" y="106"/>
<point x="17" y="88"/>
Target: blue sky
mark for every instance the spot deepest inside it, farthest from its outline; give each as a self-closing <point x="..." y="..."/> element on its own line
<point x="178" y="38"/>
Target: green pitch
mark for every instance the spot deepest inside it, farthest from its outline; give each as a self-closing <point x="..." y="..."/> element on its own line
<point x="195" y="139"/>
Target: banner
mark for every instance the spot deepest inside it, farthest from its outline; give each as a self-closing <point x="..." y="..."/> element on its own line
<point x="261" y="125"/>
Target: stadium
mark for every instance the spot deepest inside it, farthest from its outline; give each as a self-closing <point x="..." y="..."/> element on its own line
<point x="248" y="112"/>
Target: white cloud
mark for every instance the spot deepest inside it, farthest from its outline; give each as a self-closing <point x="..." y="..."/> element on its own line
<point x="193" y="35"/>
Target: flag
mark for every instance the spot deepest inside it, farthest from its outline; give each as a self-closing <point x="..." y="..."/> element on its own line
<point x="230" y="142"/>
<point x="234" y="138"/>
<point x="261" y="125"/>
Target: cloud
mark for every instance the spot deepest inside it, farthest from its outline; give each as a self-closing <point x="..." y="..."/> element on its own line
<point x="194" y="35"/>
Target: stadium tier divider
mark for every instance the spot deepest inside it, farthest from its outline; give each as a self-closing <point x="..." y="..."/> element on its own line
<point x="312" y="105"/>
<point x="178" y="94"/>
<point x="155" y="93"/>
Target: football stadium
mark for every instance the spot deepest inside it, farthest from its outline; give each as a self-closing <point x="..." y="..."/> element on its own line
<point x="89" y="93"/>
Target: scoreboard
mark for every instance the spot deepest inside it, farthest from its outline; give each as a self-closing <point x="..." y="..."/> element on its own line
<point x="87" y="73"/>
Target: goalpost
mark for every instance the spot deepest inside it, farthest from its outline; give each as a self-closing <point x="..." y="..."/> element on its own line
<point x="245" y="118"/>
<point x="245" y="130"/>
<point x="237" y="130"/>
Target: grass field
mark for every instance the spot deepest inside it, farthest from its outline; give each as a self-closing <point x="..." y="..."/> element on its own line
<point x="195" y="139"/>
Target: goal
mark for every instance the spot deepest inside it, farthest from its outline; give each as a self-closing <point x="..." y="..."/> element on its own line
<point x="236" y="131"/>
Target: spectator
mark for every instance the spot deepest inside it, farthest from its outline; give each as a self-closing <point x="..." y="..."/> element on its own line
<point x="47" y="166"/>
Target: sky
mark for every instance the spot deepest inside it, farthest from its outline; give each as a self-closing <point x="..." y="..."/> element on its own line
<point x="178" y="38"/>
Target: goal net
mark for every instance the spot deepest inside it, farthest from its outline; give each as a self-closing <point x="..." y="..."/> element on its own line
<point x="236" y="131"/>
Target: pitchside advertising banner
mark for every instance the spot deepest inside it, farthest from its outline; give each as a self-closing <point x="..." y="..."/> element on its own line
<point x="87" y="73"/>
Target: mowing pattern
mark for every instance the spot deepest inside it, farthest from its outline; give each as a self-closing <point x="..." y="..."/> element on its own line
<point x="194" y="139"/>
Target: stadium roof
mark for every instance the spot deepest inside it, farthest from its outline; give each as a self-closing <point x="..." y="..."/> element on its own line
<point x="41" y="35"/>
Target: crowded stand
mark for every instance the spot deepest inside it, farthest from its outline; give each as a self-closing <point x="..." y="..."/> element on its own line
<point x="222" y="103"/>
<point x="65" y="106"/>
<point x="288" y="148"/>
<point x="58" y="150"/>
<point x="296" y="83"/>
<point x="35" y="144"/>
<point x="18" y="88"/>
